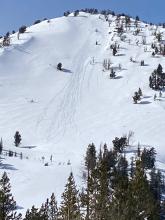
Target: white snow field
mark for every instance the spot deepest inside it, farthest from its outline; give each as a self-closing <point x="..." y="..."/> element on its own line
<point x="74" y="107"/>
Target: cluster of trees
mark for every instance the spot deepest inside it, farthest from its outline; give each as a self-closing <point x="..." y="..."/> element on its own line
<point x="6" y="38"/>
<point x="125" y="21"/>
<point x="157" y="79"/>
<point x="10" y="153"/>
<point x="103" y="12"/>
<point x="113" y="188"/>
<point x="17" y="142"/>
<point x="21" y="30"/>
<point x="93" y="11"/>
<point x="137" y="96"/>
<point x="112" y="74"/>
<point x="107" y="64"/>
<point x="114" y="48"/>
<point x="158" y="48"/>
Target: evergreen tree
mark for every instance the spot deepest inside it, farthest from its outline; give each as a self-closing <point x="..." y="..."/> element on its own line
<point x="43" y="212"/>
<point x="157" y="79"/>
<point x="17" y="139"/>
<point x="103" y="192"/>
<point x="156" y="185"/>
<point x="7" y="202"/>
<point x="119" y="144"/>
<point x="160" y="69"/>
<point x="90" y="159"/>
<point x="148" y="157"/>
<point x="22" y="29"/>
<point x="137" y="18"/>
<point x="76" y="13"/>
<point x="33" y="214"/>
<point x="159" y="36"/>
<point x="141" y="202"/>
<point x="114" y="51"/>
<point x="87" y="198"/>
<point x="69" y="208"/>
<point x="52" y="208"/>
<point x="140" y="92"/>
<point x="112" y="74"/>
<point x="132" y="167"/>
<point x="59" y="66"/>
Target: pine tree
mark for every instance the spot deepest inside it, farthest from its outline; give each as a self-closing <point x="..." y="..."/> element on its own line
<point x="157" y="78"/>
<point x="7" y="202"/>
<point x="159" y="36"/>
<point x="103" y="193"/>
<point x="43" y="212"/>
<point x="141" y="203"/>
<point x="87" y="198"/>
<point x="52" y="208"/>
<point x="119" y="144"/>
<point x="137" y="18"/>
<point x="33" y="214"/>
<point x="160" y="69"/>
<point x="156" y="185"/>
<point x="119" y="189"/>
<point x="148" y="158"/>
<point x="140" y="92"/>
<point x="69" y="208"/>
<point x="17" y="139"/>
<point x="59" y="66"/>
<point x="132" y="167"/>
<point x="76" y="13"/>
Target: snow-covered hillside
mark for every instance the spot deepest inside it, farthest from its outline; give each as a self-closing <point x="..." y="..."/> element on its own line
<point x="77" y="106"/>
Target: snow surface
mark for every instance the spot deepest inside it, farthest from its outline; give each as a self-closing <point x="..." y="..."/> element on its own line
<point x="75" y="107"/>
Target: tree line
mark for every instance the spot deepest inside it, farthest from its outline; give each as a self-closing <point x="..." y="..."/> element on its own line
<point x="114" y="187"/>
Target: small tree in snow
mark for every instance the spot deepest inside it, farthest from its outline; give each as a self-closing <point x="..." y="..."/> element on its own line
<point x="17" y="139"/>
<point x="59" y="66"/>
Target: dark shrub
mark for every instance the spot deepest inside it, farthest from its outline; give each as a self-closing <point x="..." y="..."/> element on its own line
<point x="37" y="22"/>
<point x="22" y="29"/>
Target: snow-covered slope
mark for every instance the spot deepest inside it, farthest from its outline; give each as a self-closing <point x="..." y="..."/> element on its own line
<point x="75" y="107"/>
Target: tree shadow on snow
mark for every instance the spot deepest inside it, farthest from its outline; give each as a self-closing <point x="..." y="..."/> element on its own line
<point x="147" y="97"/>
<point x="116" y="68"/>
<point x="28" y="147"/>
<point x="144" y="102"/>
<point x="66" y="71"/>
<point x="118" y="77"/>
<point x="98" y="62"/>
<point x="7" y="167"/>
